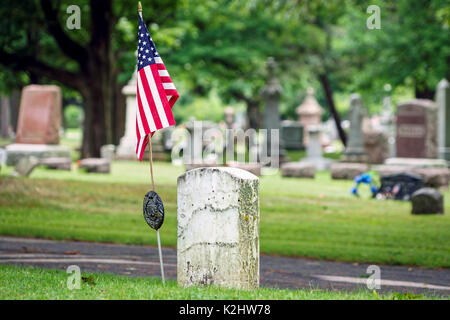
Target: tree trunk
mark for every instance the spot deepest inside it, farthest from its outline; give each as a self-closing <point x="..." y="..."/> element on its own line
<point x="119" y="114"/>
<point x="94" y="131"/>
<point x="330" y="102"/>
<point x="100" y="78"/>
<point x="100" y="102"/>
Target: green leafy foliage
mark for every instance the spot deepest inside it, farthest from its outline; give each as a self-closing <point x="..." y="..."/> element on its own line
<point x="72" y="117"/>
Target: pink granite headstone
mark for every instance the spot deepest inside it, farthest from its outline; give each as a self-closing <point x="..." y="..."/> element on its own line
<point x="40" y="115"/>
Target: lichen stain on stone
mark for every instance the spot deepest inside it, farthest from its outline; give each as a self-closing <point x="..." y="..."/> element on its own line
<point x="248" y="232"/>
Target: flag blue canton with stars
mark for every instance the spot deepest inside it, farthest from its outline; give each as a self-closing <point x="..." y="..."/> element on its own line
<point x="146" y="47"/>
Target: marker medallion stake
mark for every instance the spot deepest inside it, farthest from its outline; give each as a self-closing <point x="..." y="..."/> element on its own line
<point x="153" y="210"/>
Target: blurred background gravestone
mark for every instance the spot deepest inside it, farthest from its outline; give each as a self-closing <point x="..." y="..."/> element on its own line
<point x="387" y="122"/>
<point x="314" y="149"/>
<point x="40" y="115"/>
<point x="107" y="152"/>
<point x="427" y="201"/>
<point x="38" y="125"/>
<point x="309" y="113"/>
<point x="193" y="156"/>
<point x="229" y="122"/>
<point x="376" y="146"/>
<point x="271" y="93"/>
<point x="443" y="104"/>
<point x="355" y="152"/>
<point x="292" y="134"/>
<point x="417" y="129"/>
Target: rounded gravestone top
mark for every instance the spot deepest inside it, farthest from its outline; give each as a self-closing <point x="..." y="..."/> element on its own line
<point x="443" y="83"/>
<point x="233" y="172"/>
<point x="424" y="103"/>
<point x="309" y="106"/>
<point x="427" y="201"/>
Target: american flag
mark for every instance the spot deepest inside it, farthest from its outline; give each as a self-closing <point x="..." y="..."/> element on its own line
<point x="156" y="94"/>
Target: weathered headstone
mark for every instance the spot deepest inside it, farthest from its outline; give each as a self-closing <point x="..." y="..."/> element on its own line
<point x="314" y="149"/>
<point x="354" y="152"/>
<point x="271" y="93"/>
<point x="218" y="228"/>
<point x="443" y="105"/>
<point x="57" y="163"/>
<point x="347" y="170"/>
<point x="309" y="113"/>
<point x="417" y="129"/>
<point x="427" y="201"/>
<point x="107" y="152"/>
<point x="376" y="145"/>
<point x="298" y="169"/>
<point x="39" y="115"/>
<point x="97" y="165"/>
<point x="292" y="134"/>
<point x="193" y="154"/>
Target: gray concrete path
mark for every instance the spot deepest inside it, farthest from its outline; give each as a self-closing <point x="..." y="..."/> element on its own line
<point x="278" y="272"/>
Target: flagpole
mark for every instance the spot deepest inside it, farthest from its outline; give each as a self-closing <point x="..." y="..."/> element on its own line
<point x="160" y="257"/>
<point x="140" y="9"/>
<point x="150" y="158"/>
<point x="153" y="183"/>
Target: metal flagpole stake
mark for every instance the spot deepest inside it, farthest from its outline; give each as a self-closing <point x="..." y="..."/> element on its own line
<point x="153" y="188"/>
<point x="160" y="258"/>
<point x="153" y="206"/>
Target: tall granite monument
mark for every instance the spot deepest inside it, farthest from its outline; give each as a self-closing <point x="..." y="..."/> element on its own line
<point x="309" y="113"/>
<point x="355" y="152"/>
<point x="271" y="93"/>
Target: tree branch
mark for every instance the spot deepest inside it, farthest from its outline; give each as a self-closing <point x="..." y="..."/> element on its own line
<point x="69" y="47"/>
<point x="31" y="64"/>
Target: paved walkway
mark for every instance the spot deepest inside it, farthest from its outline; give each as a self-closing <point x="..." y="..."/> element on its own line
<point x="279" y="272"/>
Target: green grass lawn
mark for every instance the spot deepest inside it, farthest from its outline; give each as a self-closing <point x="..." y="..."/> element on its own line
<point x="314" y="218"/>
<point x="33" y="283"/>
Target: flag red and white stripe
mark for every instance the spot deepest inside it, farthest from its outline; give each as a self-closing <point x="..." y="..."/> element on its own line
<point x="156" y="93"/>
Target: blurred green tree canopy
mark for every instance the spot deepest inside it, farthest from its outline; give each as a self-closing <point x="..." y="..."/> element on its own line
<point x="221" y="46"/>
